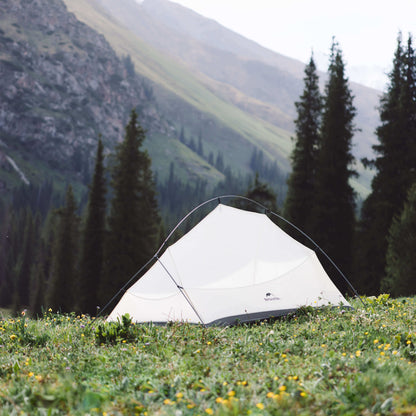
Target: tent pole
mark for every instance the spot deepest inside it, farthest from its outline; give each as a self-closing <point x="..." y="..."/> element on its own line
<point x="323" y="252"/>
<point x="267" y="211"/>
<point x="182" y="290"/>
<point x="218" y="198"/>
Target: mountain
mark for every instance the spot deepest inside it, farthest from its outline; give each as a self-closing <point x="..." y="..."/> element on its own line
<point x="61" y="86"/>
<point x="262" y="84"/>
<point x="73" y="71"/>
<point x="259" y="73"/>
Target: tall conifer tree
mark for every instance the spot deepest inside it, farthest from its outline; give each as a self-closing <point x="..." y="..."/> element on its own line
<point x="333" y="212"/>
<point x="37" y="281"/>
<point x="92" y="255"/>
<point x="395" y="169"/>
<point x="134" y="217"/>
<point x="400" y="259"/>
<point x="60" y="292"/>
<point x="27" y="254"/>
<point x="13" y="242"/>
<point x="260" y="192"/>
<point x="301" y="183"/>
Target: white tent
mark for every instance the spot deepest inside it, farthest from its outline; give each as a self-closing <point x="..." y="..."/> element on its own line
<point x="233" y="266"/>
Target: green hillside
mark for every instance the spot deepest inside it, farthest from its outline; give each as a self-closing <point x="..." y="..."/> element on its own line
<point x="176" y="79"/>
<point x="231" y="121"/>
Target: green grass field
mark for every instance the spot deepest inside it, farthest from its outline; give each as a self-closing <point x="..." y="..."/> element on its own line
<point x="326" y="362"/>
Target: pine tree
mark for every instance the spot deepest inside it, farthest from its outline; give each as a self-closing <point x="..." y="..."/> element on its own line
<point x="4" y="247"/>
<point x="60" y="291"/>
<point x="219" y="162"/>
<point x="261" y="193"/>
<point x="333" y="210"/>
<point x="182" y="137"/>
<point x="200" y="149"/>
<point x="92" y="255"/>
<point x="27" y="254"/>
<point x="401" y="249"/>
<point x="38" y="281"/>
<point x="395" y="169"/>
<point x="14" y="230"/>
<point x="18" y="256"/>
<point x="134" y="218"/>
<point x="301" y="183"/>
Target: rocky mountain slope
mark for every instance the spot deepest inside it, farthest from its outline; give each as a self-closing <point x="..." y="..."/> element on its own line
<point x="61" y="86"/>
<point x="63" y="83"/>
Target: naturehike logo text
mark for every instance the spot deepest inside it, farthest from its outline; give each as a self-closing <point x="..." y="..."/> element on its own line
<point x="270" y="296"/>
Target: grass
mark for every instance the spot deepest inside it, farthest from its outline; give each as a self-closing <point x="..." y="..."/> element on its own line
<point x="326" y="362"/>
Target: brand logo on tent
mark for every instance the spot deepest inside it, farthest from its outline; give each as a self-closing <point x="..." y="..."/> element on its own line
<point x="270" y="296"/>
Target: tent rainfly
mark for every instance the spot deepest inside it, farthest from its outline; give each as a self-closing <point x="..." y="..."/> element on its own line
<point x="233" y="266"/>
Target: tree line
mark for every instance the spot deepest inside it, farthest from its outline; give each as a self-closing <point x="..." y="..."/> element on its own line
<point x="72" y="262"/>
<point x="55" y="253"/>
<point x="375" y="248"/>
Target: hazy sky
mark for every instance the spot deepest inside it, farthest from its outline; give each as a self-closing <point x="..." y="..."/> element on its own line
<point x="366" y="30"/>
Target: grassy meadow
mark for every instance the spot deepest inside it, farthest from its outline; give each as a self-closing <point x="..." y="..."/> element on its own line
<point x="330" y="361"/>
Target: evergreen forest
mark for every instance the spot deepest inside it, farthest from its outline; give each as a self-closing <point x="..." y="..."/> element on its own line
<point x="73" y="251"/>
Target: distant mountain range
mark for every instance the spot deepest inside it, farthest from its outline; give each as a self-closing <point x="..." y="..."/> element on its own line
<point x="196" y="82"/>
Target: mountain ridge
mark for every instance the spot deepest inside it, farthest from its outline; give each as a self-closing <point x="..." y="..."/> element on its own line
<point x="89" y="92"/>
<point x="366" y="98"/>
<point x="257" y="72"/>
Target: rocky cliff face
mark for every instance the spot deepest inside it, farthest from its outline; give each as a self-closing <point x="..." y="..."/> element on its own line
<point x="61" y="85"/>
